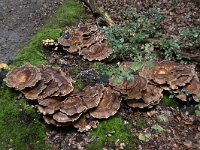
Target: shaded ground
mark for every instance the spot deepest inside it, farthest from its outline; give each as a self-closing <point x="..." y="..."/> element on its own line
<point x="19" y="20"/>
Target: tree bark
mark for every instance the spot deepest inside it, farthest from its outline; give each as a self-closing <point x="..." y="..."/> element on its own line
<point x="98" y="11"/>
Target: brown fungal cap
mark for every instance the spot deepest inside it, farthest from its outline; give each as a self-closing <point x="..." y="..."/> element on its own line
<point x="63" y="118"/>
<point x="49" y="105"/>
<point x="87" y="28"/>
<point x="184" y="73"/>
<point x="71" y="40"/>
<point x="137" y="103"/>
<point x="91" y="96"/>
<point x="22" y="77"/>
<point x="72" y="105"/>
<point x="83" y="124"/>
<point x="44" y="110"/>
<point x="192" y="88"/>
<point x="132" y="88"/>
<point x="63" y="80"/>
<point x="98" y="51"/>
<point x="160" y="73"/>
<point x="51" y="88"/>
<point x="108" y="105"/>
<point x="49" y="120"/>
<point x="33" y="93"/>
<point x="152" y="95"/>
<point x="168" y="72"/>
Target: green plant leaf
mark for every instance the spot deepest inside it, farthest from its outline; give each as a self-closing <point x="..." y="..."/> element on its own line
<point x="158" y="128"/>
<point x="141" y="137"/>
<point x="163" y="118"/>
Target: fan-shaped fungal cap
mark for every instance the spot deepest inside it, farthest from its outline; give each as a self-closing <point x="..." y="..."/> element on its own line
<point x="34" y="92"/>
<point x="49" y="120"/>
<point x="137" y="103"/>
<point x="63" y="118"/>
<point x="132" y="88"/>
<point x="108" y="105"/>
<point x="98" y="51"/>
<point x="22" y="77"/>
<point x="71" y="40"/>
<point x="51" y="88"/>
<point x="64" y="81"/>
<point x="72" y="105"/>
<point x="168" y="72"/>
<point x="91" y="96"/>
<point x="49" y="105"/>
<point x="84" y="125"/>
<point x="192" y="88"/>
<point x="87" y="28"/>
<point x="44" y="110"/>
<point x="152" y="95"/>
<point x="184" y="73"/>
<point x="160" y="73"/>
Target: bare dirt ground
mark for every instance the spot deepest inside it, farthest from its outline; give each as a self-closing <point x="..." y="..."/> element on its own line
<point x="19" y="20"/>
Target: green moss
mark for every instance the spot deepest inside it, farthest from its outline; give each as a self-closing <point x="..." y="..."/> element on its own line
<point x="106" y="69"/>
<point x="116" y="128"/>
<point x="20" y="125"/>
<point x="167" y="101"/>
<point x="140" y="123"/>
<point x="78" y="84"/>
<point x="75" y="69"/>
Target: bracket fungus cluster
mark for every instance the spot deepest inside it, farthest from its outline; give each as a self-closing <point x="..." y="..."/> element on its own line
<point x="146" y="88"/>
<point x="87" y="40"/>
<point x="61" y="105"/>
<point x="56" y="99"/>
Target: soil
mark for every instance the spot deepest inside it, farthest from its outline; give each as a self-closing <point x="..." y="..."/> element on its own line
<point x="18" y="22"/>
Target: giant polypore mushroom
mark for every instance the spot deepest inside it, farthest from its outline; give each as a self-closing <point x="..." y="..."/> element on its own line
<point x="83" y="124"/>
<point x="87" y="28"/>
<point x="91" y="95"/>
<point x="192" y="88"/>
<point x="108" y="105"/>
<point x="63" y="118"/>
<point x="49" y="105"/>
<point x="63" y="80"/>
<point x="34" y="92"/>
<point x="98" y="51"/>
<point x="168" y="74"/>
<point x="131" y="88"/>
<point x="72" y="105"/>
<point x="23" y="77"/>
<point x="150" y="96"/>
<point x="71" y="40"/>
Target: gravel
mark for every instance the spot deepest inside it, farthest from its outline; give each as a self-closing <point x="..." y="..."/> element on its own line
<point x="18" y="22"/>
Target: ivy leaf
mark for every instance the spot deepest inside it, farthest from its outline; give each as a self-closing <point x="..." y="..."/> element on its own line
<point x="158" y="128"/>
<point x="197" y="112"/>
<point x="141" y="137"/>
<point x="163" y="118"/>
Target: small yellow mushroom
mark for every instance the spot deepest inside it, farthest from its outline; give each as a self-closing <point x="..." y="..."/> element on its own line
<point x="4" y="66"/>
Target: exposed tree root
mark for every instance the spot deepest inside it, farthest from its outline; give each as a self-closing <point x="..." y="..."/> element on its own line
<point x="98" y="11"/>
